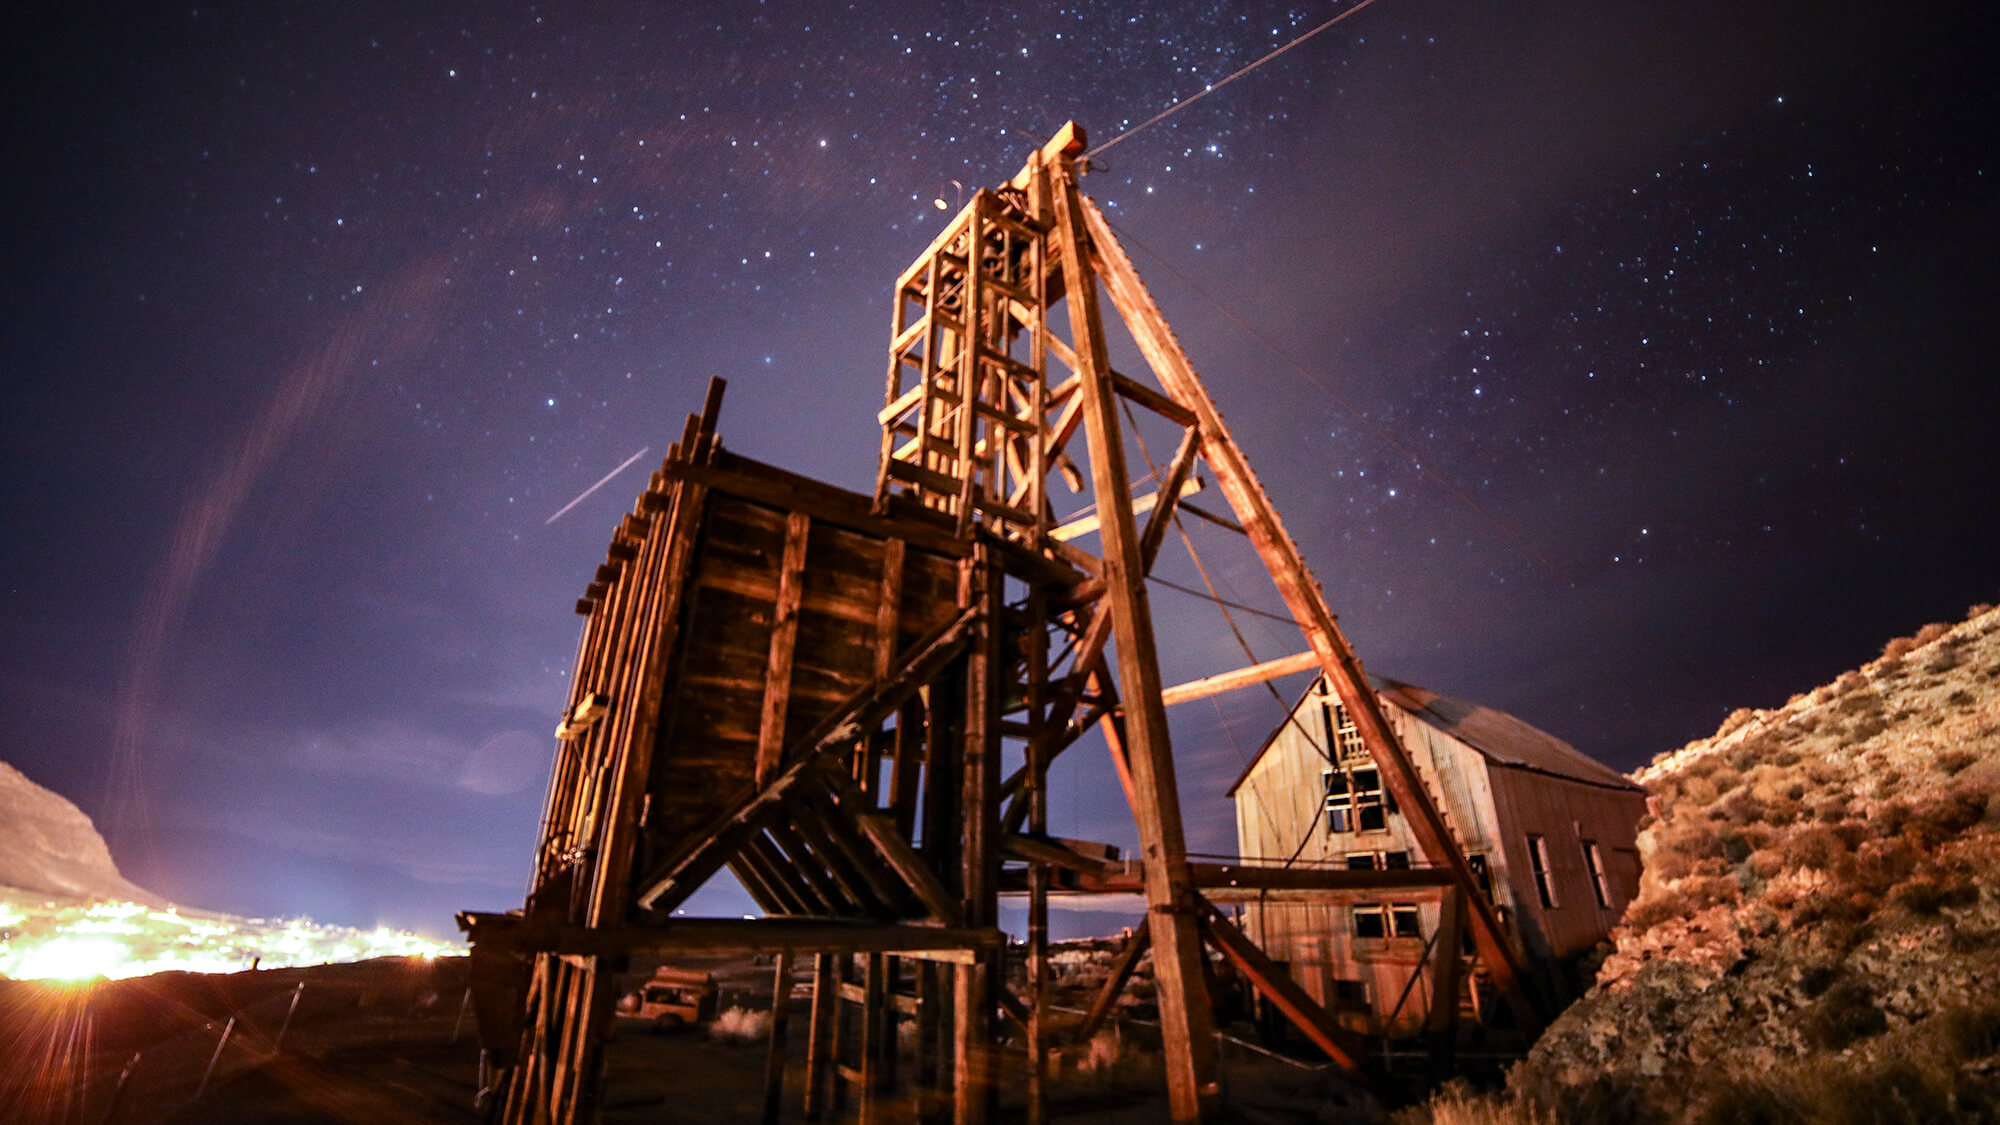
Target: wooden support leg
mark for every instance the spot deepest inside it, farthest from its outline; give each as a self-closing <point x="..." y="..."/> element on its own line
<point x="774" y="1058"/>
<point x="874" y="1021"/>
<point x="930" y="1075"/>
<point x="1446" y="981"/>
<point x="972" y="1043"/>
<point x="819" y="1045"/>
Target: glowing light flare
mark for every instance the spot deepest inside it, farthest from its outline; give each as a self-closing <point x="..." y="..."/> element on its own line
<point x="71" y="941"/>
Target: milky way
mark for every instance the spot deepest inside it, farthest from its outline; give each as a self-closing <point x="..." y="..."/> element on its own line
<point x="1616" y="365"/>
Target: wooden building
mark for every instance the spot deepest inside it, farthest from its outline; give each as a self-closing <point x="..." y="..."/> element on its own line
<point x="1549" y="832"/>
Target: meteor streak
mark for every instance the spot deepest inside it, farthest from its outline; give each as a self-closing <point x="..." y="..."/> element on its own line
<point x="593" y="488"/>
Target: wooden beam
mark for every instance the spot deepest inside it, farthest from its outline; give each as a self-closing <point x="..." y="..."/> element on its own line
<point x="1140" y="505"/>
<point x="880" y="830"/>
<point x="747" y="936"/>
<point x="1302" y="595"/>
<point x="1121" y="972"/>
<point x="1128" y="877"/>
<point x="1240" y="678"/>
<point x="1186" y="1017"/>
<point x="1277" y="985"/>
<point x="784" y="642"/>
<point x="1173" y="487"/>
<point x="1445" y="976"/>
<point x="1152" y="400"/>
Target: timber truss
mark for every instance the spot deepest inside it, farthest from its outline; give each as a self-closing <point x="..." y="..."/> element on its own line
<point x="822" y="692"/>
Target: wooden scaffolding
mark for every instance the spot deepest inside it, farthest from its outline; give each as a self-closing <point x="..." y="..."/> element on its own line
<point x="820" y="690"/>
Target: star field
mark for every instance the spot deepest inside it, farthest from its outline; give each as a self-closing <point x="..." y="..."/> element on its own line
<point x="1614" y="365"/>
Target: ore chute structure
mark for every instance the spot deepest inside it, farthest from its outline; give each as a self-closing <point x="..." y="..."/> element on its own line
<point x="823" y="691"/>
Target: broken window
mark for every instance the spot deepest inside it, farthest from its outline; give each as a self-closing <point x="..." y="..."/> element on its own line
<point x="1593" y="861"/>
<point x="1403" y="921"/>
<point x="1339" y="801"/>
<point x="1370" y="921"/>
<point x="1374" y="920"/>
<point x="1350" y="994"/>
<point x="1355" y="801"/>
<point x="1341" y="734"/>
<point x="1369" y="813"/>
<point x="1538" y="861"/>
<point x="1482" y="874"/>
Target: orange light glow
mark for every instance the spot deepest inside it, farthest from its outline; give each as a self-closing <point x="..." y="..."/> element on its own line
<point x="69" y="940"/>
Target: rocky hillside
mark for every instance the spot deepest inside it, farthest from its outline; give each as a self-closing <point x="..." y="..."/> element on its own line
<point x="47" y="845"/>
<point x="1817" y="934"/>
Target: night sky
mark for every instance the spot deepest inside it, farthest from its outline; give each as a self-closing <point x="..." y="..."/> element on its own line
<point x="315" y="314"/>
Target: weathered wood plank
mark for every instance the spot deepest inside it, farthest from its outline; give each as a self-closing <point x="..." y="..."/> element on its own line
<point x="1240" y="678"/>
<point x="784" y="640"/>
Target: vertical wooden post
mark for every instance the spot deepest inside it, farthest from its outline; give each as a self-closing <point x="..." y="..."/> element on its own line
<point x="973" y="984"/>
<point x="1446" y="979"/>
<point x="873" y="1001"/>
<point x="1186" y="1020"/>
<point x="819" y="1044"/>
<point x="1038" y="872"/>
<point x="774" y="1057"/>
<point x="784" y="643"/>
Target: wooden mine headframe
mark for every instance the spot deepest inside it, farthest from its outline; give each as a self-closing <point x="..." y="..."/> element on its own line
<point x="819" y="690"/>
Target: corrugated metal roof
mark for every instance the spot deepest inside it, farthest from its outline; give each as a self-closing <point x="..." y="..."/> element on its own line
<point x="1496" y="734"/>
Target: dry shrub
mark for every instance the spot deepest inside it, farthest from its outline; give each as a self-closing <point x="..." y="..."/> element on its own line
<point x="1814" y="848"/>
<point x="1701" y="767"/>
<point x="1742" y="807"/>
<point x="1879" y="865"/>
<point x="1926" y="896"/>
<point x="1947" y="818"/>
<point x="1951" y="762"/>
<point x="1458" y="1104"/>
<point x="1607" y="1095"/>
<point x="1897" y="649"/>
<point x="1851" y="832"/>
<point x="1931" y="632"/>
<point x="1844" y="1016"/>
<point x="741" y="1026"/>
<point x="1849" y="681"/>
<point x="1698" y="791"/>
<point x="1766" y="863"/>
<point x="1979" y="609"/>
<point x="1751" y="752"/>
<point x="1736" y="721"/>
<point x="1685" y="898"/>
<point x="1867" y="727"/>
<point x="1859" y="702"/>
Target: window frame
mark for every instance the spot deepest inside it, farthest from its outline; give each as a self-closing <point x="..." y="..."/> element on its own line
<point x="1336" y="805"/>
<point x="1541" y="865"/>
<point x="1600" y="882"/>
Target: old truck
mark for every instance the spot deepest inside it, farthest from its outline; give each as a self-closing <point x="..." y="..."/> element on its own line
<point x="672" y="999"/>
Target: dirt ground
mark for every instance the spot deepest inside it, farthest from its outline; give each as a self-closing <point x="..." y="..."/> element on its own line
<point x="383" y="1043"/>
